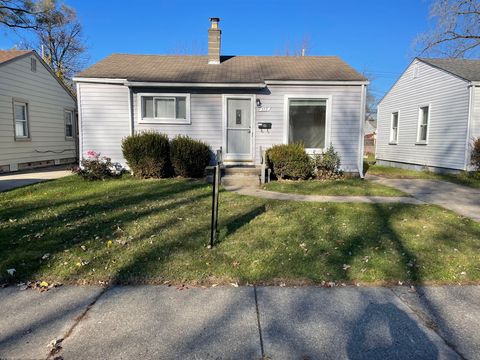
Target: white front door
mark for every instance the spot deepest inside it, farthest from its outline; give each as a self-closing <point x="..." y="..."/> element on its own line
<point x="238" y="129"/>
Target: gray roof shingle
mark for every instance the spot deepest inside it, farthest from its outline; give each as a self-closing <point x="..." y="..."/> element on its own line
<point x="463" y="68"/>
<point x="232" y="69"/>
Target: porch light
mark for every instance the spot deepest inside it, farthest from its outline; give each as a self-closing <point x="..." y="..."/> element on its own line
<point x="259" y="103"/>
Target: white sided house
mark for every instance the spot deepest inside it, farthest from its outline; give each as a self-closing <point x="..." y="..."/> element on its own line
<point x="37" y="114"/>
<point x="241" y="104"/>
<point x="431" y="116"/>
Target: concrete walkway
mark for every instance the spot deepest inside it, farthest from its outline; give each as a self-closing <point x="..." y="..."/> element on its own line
<point x="18" y="179"/>
<point x="461" y="199"/>
<point x="159" y="322"/>
<point x="273" y="195"/>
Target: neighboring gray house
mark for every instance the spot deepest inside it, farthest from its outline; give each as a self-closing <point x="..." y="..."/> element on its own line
<point x="37" y="114"/>
<point x="431" y="116"/>
<point x="239" y="103"/>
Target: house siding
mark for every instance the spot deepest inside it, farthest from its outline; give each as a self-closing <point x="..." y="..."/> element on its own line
<point x="448" y="97"/>
<point x="344" y="127"/>
<point x="104" y="119"/>
<point x="47" y="100"/>
<point x="110" y="103"/>
<point x="205" y="118"/>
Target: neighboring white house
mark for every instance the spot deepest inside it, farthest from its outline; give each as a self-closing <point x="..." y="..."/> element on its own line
<point x="239" y="103"/>
<point x="37" y="114"/>
<point x="431" y="116"/>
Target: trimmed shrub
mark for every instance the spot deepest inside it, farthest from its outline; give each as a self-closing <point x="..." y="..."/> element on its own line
<point x="147" y="154"/>
<point x="327" y="164"/>
<point x="189" y="157"/>
<point x="96" y="167"/>
<point x="290" y="161"/>
<point x="475" y="156"/>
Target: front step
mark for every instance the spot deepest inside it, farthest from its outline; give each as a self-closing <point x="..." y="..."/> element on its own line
<point x="241" y="170"/>
<point x="237" y="176"/>
<point x="241" y="181"/>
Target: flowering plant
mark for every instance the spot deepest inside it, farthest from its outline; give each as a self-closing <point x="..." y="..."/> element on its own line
<point x="97" y="167"/>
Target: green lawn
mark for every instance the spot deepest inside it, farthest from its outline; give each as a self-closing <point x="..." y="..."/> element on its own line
<point x="355" y="187"/>
<point x="391" y="172"/>
<point x="152" y="231"/>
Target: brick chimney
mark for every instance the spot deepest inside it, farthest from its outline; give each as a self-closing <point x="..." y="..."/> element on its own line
<point x="214" y="37"/>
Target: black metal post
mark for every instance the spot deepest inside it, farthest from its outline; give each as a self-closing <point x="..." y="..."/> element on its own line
<point x="213" y="233"/>
<point x="215" y="190"/>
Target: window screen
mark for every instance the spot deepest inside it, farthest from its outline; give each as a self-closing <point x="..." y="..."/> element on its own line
<point x="394" y="130"/>
<point x="423" y="126"/>
<point x="307" y="122"/>
<point x="163" y="107"/>
<point x="69" y="123"/>
<point x="21" y="120"/>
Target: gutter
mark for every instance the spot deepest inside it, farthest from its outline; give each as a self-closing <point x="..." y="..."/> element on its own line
<point x="187" y="84"/>
<point x="260" y="85"/>
<point x="99" y="80"/>
<point x="126" y="82"/>
<point x="307" y="82"/>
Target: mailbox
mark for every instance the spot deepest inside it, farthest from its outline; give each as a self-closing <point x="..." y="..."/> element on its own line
<point x="265" y="125"/>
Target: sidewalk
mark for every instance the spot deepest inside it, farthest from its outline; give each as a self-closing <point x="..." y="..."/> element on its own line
<point x="274" y="195"/>
<point x="160" y="322"/>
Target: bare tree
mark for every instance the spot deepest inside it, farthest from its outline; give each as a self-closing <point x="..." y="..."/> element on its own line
<point x="456" y="31"/>
<point x="371" y="100"/>
<point x="18" y="14"/>
<point x="299" y="48"/>
<point x="60" y="33"/>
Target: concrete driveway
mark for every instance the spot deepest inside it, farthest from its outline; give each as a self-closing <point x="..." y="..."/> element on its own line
<point x="18" y="179"/>
<point x="461" y="199"/>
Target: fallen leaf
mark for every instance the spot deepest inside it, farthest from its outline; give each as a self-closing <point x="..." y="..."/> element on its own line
<point x="44" y="284"/>
<point x="346" y="267"/>
<point x="46" y="256"/>
<point x="11" y="272"/>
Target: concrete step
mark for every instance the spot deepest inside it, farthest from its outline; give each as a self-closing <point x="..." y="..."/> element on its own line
<point x="241" y="170"/>
<point x="241" y="181"/>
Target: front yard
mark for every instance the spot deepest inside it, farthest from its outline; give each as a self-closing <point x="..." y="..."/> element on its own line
<point x="152" y="231"/>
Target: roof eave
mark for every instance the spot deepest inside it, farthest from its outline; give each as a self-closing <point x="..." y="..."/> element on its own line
<point x="133" y="83"/>
<point x="317" y="82"/>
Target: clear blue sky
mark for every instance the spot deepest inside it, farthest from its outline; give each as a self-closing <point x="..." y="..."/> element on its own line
<point x="372" y="35"/>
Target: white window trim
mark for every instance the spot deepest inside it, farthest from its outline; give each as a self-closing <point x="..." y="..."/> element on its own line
<point x="65" y="123"/>
<point x="394" y="141"/>
<point x="27" y="120"/>
<point x="429" y="122"/>
<point x="328" y="118"/>
<point x="155" y="120"/>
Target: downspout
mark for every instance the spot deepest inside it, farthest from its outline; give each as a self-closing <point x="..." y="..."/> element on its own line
<point x="80" y="132"/>
<point x="130" y="110"/>
<point x="361" y="135"/>
<point x="471" y="97"/>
